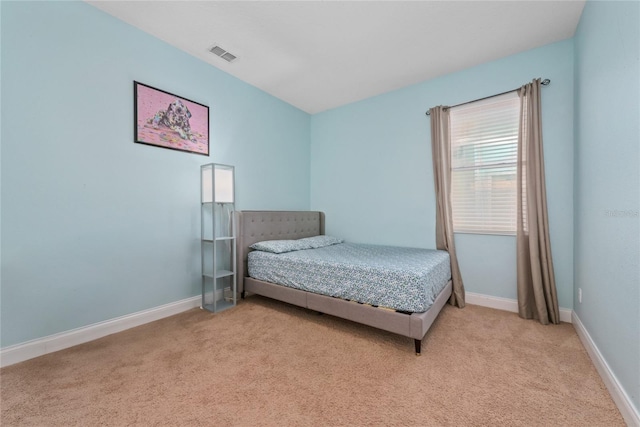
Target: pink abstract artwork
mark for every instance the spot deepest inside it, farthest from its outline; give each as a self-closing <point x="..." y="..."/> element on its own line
<point x="170" y="121"/>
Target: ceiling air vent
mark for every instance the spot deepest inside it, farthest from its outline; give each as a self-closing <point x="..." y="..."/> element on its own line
<point x="227" y="56"/>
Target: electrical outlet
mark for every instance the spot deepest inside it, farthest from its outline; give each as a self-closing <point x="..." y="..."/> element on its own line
<point x="580" y="295"/>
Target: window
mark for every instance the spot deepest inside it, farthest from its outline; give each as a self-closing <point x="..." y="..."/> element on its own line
<point x="484" y="148"/>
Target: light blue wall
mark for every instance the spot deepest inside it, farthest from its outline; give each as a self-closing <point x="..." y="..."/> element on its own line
<point x="93" y="225"/>
<point x="607" y="246"/>
<point x="371" y="167"/>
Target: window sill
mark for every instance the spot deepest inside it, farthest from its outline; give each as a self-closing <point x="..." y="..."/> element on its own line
<point x="486" y="233"/>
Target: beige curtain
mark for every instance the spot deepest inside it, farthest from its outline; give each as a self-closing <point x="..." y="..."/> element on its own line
<point x="441" y="156"/>
<point x="537" y="297"/>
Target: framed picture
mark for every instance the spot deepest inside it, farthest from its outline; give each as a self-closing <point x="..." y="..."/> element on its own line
<point x="169" y="121"/>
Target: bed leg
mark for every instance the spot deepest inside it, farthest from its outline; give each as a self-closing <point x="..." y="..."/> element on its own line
<point x="418" y="344"/>
<point x="242" y="294"/>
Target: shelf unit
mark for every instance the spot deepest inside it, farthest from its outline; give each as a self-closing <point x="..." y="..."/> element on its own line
<point x="218" y="237"/>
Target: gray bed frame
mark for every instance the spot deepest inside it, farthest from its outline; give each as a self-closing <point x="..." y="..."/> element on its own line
<point x="257" y="226"/>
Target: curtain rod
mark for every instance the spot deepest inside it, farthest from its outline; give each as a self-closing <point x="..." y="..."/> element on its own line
<point x="545" y="82"/>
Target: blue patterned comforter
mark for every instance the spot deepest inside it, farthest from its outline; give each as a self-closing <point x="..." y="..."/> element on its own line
<point x="404" y="279"/>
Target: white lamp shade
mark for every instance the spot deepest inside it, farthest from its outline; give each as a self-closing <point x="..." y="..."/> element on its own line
<point x="206" y="184"/>
<point x="224" y="185"/>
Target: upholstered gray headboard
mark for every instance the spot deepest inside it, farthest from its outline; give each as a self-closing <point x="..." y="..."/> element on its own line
<point x="257" y="226"/>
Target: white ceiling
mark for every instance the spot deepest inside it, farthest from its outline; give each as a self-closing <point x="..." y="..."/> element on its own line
<point x="318" y="55"/>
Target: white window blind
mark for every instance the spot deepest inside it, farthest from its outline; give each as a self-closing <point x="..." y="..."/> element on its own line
<point x="484" y="147"/>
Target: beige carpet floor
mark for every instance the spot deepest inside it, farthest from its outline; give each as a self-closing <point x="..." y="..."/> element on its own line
<point x="266" y="363"/>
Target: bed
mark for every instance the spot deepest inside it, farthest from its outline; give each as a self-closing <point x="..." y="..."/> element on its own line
<point x="402" y="316"/>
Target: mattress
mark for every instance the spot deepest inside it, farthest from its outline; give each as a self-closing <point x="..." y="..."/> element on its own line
<point x="402" y="279"/>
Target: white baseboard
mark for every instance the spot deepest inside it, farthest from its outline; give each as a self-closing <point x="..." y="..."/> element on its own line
<point x="507" y="304"/>
<point x="618" y="394"/>
<point x="41" y="346"/>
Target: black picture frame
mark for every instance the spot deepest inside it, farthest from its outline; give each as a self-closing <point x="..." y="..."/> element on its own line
<point x="166" y="120"/>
